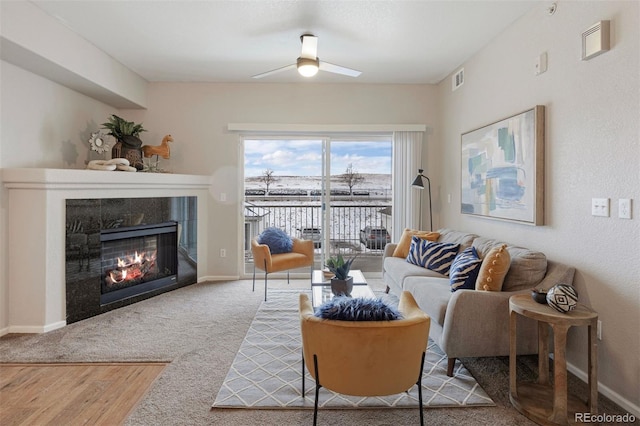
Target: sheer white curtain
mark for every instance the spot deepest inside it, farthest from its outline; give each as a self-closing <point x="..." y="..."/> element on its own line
<point x="407" y="159"/>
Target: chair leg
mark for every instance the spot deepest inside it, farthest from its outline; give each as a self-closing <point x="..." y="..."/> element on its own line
<point x="419" y="383"/>
<point x="287" y="277"/>
<point x="265" y="280"/>
<point x="318" y="386"/>
<point x="451" y="362"/>
<point x="303" y="374"/>
<point x="254" y="277"/>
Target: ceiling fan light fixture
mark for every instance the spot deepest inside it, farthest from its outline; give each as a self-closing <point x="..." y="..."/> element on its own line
<point x="308" y="67"/>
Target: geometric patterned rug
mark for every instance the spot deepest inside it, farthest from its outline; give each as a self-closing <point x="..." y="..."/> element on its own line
<point x="266" y="372"/>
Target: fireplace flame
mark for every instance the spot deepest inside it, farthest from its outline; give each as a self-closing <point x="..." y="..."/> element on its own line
<point x="132" y="267"/>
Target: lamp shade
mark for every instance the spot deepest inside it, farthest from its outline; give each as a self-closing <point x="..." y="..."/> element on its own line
<point x="417" y="183"/>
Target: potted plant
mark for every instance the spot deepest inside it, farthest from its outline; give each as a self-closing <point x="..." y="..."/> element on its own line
<point x="128" y="141"/>
<point x="341" y="283"/>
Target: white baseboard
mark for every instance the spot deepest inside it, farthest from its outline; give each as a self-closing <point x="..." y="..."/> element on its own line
<point x="4" y="331"/>
<point x="607" y="391"/>
<point x="218" y="278"/>
<point x="35" y="329"/>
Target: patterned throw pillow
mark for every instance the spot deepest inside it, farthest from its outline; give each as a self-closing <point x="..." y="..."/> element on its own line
<point x="431" y="255"/>
<point x="495" y="266"/>
<point x="464" y="270"/>
<point x="277" y="240"/>
<point x="357" y="309"/>
<point x="402" y="248"/>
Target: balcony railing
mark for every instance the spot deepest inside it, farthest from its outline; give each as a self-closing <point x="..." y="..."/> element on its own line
<point x="346" y="219"/>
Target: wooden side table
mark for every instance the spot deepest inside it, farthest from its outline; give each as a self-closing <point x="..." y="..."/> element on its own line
<point x="541" y="402"/>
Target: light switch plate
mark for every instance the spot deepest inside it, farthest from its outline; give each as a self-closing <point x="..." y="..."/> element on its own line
<point x="600" y="207"/>
<point x="541" y="63"/>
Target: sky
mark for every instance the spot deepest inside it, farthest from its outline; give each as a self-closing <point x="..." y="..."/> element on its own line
<point x="304" y="157"/>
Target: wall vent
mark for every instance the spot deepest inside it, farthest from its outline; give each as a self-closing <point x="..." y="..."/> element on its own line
<point x="596" y="40"/>
<point x="457" y="79"/>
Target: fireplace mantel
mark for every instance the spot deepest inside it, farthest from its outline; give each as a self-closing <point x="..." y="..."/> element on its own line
<point x="87" y="179"/>
<point x="36" y="231"/>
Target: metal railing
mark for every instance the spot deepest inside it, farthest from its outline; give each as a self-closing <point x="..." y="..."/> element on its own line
<point x="346" y="221"/>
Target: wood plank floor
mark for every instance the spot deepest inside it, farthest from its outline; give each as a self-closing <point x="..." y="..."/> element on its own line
<point x="73" y="394"/>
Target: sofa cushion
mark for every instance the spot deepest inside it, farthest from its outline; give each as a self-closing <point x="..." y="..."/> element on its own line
<point x="402" y="248"/>
<point x="430" y="255"/>
<point x="484" y="245"/>
<point x="495" y="266"/>
<point x="432" y="295"/>
<point x="399" y="269"/>
<point x="464" y="270"/>
<point x="463" y="238"/>
<point x="357" y="309"/>
<point x="527" y="267"/>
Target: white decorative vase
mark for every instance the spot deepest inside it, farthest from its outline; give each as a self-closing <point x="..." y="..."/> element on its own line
<point x="562" y="297"/>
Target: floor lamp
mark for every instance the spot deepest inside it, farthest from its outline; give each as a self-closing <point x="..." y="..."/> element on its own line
<point x="419" y="183"/>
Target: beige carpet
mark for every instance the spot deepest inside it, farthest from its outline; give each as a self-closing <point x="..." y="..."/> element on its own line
<point x="200" y="328"/>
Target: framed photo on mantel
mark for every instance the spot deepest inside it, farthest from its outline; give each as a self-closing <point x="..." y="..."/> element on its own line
<point x="502" y="171"/>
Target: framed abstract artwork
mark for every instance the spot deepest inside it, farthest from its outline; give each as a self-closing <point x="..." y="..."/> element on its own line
<point x="502" y="172"/>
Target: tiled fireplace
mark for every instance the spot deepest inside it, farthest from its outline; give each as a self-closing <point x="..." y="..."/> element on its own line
<point x="55" y="272"/>
<point x="122" y="250"/>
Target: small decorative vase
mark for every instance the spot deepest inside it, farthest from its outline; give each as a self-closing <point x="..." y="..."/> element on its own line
<point x="562" y="297"/>
<point x="539" y="296"/>
<point x="342" y="287"/>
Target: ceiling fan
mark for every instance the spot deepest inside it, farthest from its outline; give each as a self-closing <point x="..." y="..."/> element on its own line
<point x="308" y="63"/>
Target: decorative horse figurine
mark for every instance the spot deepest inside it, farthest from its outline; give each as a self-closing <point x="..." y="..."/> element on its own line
<point x="161" y="150"/>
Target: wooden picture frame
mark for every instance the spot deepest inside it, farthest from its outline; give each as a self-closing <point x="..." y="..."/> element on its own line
<point x="502" y="169"/>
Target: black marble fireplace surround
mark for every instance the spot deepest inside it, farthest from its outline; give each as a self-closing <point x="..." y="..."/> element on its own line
<point x="92" y="227"/>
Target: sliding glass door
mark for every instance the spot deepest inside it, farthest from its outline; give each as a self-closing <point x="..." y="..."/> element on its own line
<point x="334" y="191"/>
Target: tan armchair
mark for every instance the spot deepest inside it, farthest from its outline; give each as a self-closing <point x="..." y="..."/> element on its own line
<point x="300" y="256"/>
<point x="365" y="358"/>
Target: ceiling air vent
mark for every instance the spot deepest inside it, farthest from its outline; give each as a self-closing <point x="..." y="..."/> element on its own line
<point x="457" y="79"/>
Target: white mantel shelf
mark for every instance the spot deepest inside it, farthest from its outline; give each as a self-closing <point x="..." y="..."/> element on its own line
<point x="36" y="231"/>
<point x="34" y="178"/>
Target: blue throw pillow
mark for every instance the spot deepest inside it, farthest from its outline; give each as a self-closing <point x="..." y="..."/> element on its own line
<point x="432" y="255"/>
<point x="465" y="269"/>
<point x="357" y="309"/>
<point x="277" y="240"/>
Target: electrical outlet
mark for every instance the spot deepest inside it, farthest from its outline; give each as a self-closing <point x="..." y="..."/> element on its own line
<point x="600" y="207"/>
<point x="223" y="252"/>
<point x="223" y="197"/>
<point x="599" y="331"/>
<point x="624" y="208"/>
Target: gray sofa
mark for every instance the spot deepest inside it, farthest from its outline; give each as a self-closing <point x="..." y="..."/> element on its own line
<point x="470" y="323"/>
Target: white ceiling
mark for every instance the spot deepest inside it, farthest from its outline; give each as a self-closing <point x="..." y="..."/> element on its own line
<point x="229" y="41"/>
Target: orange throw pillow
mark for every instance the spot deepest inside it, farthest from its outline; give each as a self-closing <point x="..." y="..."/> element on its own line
<point x="494" y="268"/>
<point x="402" y="249"/>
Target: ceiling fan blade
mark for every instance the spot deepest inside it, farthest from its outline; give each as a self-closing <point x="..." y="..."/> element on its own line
<point x="309" y="46"/>
<point x="277" y="70"/>
<point x="337" y="69"/>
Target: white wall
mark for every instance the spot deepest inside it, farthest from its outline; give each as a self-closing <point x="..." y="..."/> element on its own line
<point x="197" y="114"/>
<point x="592" y="150"/>
<point x="43" y="125"/>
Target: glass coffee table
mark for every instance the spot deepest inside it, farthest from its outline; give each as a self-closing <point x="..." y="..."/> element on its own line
<point x="321" y="287"/>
